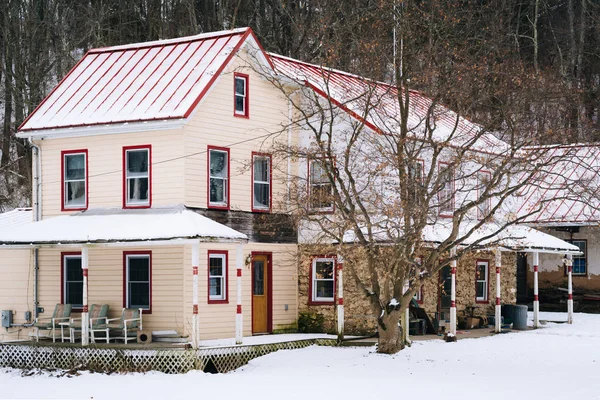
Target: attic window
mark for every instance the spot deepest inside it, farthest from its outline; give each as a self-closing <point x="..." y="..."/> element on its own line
<point x="241" y="95"/>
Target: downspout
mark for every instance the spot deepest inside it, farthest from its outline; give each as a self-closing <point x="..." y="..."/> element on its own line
<point x="37" y="216"/>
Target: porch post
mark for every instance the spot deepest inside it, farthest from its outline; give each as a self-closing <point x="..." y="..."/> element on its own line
<point x="498" y="314"/>
<point x="340" y="306"/>
<point x="85" y="317"/>
<point x="239" y="318"/>
<point x="536" y="299"/>
<point x="570" y="287"/>
<point x="452" y="295"/>
<point x="195" y="265"/>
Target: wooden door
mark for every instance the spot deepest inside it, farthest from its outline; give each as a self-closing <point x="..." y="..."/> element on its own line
<point x="260" y="295"/>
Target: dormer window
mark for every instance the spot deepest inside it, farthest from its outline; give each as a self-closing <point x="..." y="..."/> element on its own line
<point x="241" y="95"/>
<point x="137" y="176"/>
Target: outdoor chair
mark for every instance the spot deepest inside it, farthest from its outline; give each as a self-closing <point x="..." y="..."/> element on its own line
<point x="61" y="314"/>
<point x="127" y="325"/>
<point x="97" y="314"/>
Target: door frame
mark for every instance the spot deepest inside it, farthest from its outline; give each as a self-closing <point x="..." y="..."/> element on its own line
<point x="269" y="256"/>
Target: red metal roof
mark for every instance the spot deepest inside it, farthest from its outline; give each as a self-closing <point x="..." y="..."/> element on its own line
<point x="138" y="82"/>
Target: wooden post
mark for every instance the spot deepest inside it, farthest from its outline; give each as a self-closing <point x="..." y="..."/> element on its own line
<point x="85" y="316"/>
<point x="498" y="314"/>
<point x="195" y="265"/>
<point x="239" y="318"/>
<point x="536" y="299"/>
<point x="340" y="305"/>
<point x="569" y="263"/>
<point x="452" y="295"/>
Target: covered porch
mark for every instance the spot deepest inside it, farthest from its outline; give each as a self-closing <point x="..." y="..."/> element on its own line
<point x="144" y="259"/>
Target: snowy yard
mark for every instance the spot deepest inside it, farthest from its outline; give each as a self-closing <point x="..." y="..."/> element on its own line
<point x="557" y="361"/>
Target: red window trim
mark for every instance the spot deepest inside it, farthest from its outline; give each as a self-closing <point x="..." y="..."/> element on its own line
<point x="269" y="256"/>
<point x="62" y="275"/>
<point x="421" y="292"/>
<point x="246" y="113"/>
<point x="311" y="302"/>
<point x="487" y="301"/>
<point x="208" y="205"/>
<point x="441" y="213"/>
<point x="137" y="252"/>
<point x="226" y="299"/>
<point x="262" y="210"/>
<point x="140" y="147"/>
<point x="487" y="201"/>
<point x="308" y="180"/>
<point x="62" y="180"/>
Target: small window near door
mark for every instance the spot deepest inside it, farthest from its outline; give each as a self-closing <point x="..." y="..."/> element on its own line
<point x="217" y="277"/>
<point x="258" y="284"/>
<point x="74" y="180"/>
<point x="261" y="182"/>
<point x="580" y="261"/>
<point x="323" y="280"/>
<point x="138" y="273"/>
<point x="241" y="98"/>
<point x="137" y="176"/>
<point x="72" y="280"/>
<point x="481" y="281"/>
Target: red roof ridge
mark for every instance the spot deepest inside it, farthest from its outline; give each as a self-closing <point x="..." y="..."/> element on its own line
<point x="166" y="42"/>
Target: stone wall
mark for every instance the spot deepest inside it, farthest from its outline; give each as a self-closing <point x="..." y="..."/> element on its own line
<point x="359" y="318"/>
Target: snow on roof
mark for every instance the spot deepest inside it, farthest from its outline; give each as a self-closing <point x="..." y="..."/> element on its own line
<point x="569" y="188"/>
<point x="118" y="225"/>
<point x="157" y="80"/>
<point x="15" y="218"/>
<point x="353" y="93"/>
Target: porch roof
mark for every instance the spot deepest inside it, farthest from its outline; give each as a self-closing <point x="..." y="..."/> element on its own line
<point x="163" y="225"/>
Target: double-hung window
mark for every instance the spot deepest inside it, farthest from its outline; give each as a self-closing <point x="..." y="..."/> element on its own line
<point x="323" y="280"/>
<point x="72" y="279"/>
<point x="484" y="208"/>
<point x="320" y="189"/>
<point x="218" y="176"/>
<point x="446" y="192"/>
<point x="580" y="261"/>
<point x="240" y="95"/>
<point x="138" y="283"/>
<point x="261" y="185"/>
<point x="74" y="179"/>
<point x="481" y="281"/>
<point x="137" y="176"/>
<point x="415" y="182"/>
<point x="217" y="276"/>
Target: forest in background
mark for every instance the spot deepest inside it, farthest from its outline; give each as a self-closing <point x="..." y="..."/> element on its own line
<point x="527" y="65"/>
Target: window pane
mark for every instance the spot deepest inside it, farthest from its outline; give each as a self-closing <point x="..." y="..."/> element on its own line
<point x="240" y="86"/>
<point x="481" y="272"/>
<point x="216" y="270"/>
<point x="259" y="278"/>
<point x="216" y="287"/>
<point x="480" y="289"/>
<point x="74" y="293"/>
<point x="139" y="269"/>
<point x="321" y="196"/>
<point x="138" y="189"/>
<point x="75" y="193"/>
<point x="324" y="289"/>
<point x="261" y="170"/>
<point x="139" y="295"/>
<point x="324" y="270"/>
<point x="217" y="190"/>
<point x="261" y="195"/>
<point x="75" y="166"/>
<point x="317" y="173"/>
<point x="137" y="161"/>
<point x="239" y="104"/>
<point x="74" y="271"/>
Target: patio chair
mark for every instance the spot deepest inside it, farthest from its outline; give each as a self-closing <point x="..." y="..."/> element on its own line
<point x="98" y="315"/>
<point x="127" y="325"/>
<point x="61" y="314"/>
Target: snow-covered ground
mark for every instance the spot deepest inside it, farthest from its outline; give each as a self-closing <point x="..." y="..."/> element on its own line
<point x="557" y="361"/>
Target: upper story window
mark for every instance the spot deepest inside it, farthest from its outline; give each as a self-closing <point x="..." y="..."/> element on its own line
<point x="261" y="182"/>
<point x="415" y="175"/>
<point x="446" y="193"/>
<point x="217" y="276"/>
<point x="218" y="177"/>
<point x="74" y="180"/>
<point x="481" y="281"/>
<point x="241" y="97"/>
<point x="322" y="280"/>
<point x="320" y="196"/>
<point x="138" y="280"/>
<point x="72" y="281"/>
<point x="580" y="261"/>
<point x="137" y="176"/>
<point x="483" y="180"/>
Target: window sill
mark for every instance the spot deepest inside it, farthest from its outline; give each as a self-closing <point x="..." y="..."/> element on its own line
<point x="321" y="302"/>
<point x="218" y="207"/>
<point x="226" y="301"/>
<point x="245" y="116"/>
<point x="482" y="302"/>
<point x="67" y="209"/>
<point x="261" y="210"/>
<point x="130" y="206"/>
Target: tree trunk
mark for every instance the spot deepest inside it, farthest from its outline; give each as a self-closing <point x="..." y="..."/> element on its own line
<point x="390" y="338"/>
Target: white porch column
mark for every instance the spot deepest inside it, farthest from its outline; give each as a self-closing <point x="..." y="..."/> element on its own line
<point x="498" y="314"/>
<point x="340" y="306"/>
<point x="570" y="299"/>
<point x="452" y="295"/>
<point x="85" y="316"/>
<point x="195" y="265"/>
<point x="239" y="318"/>
<point x="536" y="299"/>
